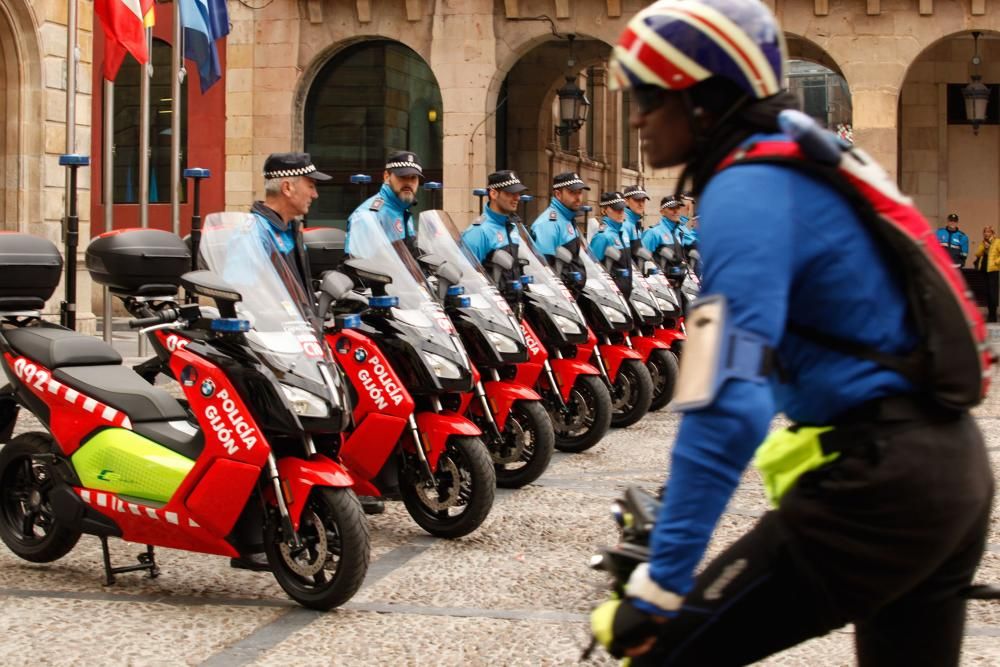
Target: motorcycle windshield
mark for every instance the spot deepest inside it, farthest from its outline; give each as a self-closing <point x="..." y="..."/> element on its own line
<point x="417" y="307"/>
<point x="599" y="281"/>
<point x="241" y="249"/>
<point x="546" y="285"/>
<point x="437" y="235"/>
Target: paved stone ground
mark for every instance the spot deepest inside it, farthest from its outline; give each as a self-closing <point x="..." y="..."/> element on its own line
<point x="516" y="592"/>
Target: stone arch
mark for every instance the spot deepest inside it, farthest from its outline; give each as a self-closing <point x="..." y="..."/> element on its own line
<point x="365" y="99"/>
<point x="21" y="136"/>
<point x="835" y="98"/>
<point x="944" y="164"/>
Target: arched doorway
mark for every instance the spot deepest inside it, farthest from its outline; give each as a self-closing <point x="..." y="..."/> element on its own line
<point x="816" y="79"/>
<point x="943" y="163"/>
<point x="368" y="100"/>
<point x="527" y="117"/>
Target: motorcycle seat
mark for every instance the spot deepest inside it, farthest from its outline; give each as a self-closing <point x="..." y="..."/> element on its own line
<point x="179" y="436"/>
<point x="123" y="389"/>
<point x="54" y="347"/>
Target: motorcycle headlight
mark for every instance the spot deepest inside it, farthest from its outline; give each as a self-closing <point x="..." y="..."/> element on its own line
<point x="614" y="315"/>
<point x="665" y="305"/>
<point x="644" y="309"/>
<point x="502" y="343"/>
<point x="443" y="368"/>
<point x="304" y="403"/>
<point x="566" y="325"/>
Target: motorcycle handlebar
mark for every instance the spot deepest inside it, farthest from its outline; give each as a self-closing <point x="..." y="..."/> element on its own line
<point x="164" y="316"/>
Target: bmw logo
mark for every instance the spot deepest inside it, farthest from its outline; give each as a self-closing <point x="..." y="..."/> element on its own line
<point x="207" y="388"/>
<point x="360" y="355"/>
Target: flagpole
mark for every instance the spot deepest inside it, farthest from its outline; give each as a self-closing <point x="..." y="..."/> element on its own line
<point x="175" y="121"/>
<point x="72" y="56"/>
<point x="107" y="184"/>
<point x="144" y="95"/>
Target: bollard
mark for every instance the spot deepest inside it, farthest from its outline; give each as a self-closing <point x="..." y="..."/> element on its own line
<point x="434" y="187"/>
<point x="71" y="239"/>
<point x="479" y="192"/>
<point x="196" y="174"/>
<point x="361" y="180"/>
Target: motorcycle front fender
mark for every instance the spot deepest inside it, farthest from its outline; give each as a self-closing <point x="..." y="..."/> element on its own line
<point x="502" y="396"/>
<point x="566" y="372"/>
<point x="435" y="429"/>
<point x="299" y="476"/>
<point x="614" y="355"/>
<point x="645" y="345"/>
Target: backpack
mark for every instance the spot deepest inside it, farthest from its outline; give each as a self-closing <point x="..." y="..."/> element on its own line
<point x="952" y="360"/>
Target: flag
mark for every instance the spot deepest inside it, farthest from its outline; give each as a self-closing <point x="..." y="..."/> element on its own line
<point x="124" y="23"/>
<point x="204" y="21"/>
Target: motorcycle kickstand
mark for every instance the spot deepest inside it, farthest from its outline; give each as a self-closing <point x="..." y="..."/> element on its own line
<point x="147" y="562"/>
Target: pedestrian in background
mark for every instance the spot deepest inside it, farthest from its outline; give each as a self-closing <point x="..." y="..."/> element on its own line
<point x="954" y="240"/>
<point x="988" y="261"/>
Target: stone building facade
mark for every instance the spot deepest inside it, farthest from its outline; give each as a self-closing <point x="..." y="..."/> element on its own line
<point x="496" y="71"/>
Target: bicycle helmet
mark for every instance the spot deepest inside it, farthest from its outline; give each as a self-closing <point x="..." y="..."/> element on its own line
<point x="675" y="44"/>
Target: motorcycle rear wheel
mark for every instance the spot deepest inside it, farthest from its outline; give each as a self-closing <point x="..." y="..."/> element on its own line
<point x="632" y="395"/>
<point x="332" y="564"/>
<point x="462" y="495"/>
<point x="590" y="406"/>
<point x="663" y="369"/>
<point x="28" y="524"/>
<point x="530" y="424"/>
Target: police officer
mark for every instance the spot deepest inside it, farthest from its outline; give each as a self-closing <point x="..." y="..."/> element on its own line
<point x="668" y="231"/>
<point x="555" y="226"/>
<point x="289" y="190"/>
<point x="615" y="234"/>
<point x="400" y="181"/>
<point x="954" y="240"/>
<point x="635" y="202"/>
<point x="884" y="523"/>
<point x="496" y="228"/>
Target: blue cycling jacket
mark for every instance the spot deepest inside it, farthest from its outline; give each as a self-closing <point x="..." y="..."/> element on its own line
<point x="956" y="243"/>
<point x="392" y="213"/>
<point x="490" y="233"/>
<point x="782" y="247"/>
<point x="554" y="227"/>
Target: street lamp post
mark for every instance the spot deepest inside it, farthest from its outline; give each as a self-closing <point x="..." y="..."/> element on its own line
<point x="976" y="94"/>
<point x="573" y="107"/>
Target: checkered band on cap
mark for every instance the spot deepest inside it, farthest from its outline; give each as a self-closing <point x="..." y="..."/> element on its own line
<point x="401" y="165"/>
<point x="289" y="173"/>
<point x="575" y="180"/>
<point x="673" y="202"/>
<point x="632" y="193"/>
<point x="513" y="180"/>
<point x="617" y="199"/>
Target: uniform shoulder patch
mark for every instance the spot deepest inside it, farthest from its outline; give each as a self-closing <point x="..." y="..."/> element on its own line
<point x="553" y="215"/>
<point x="376" y="204"/>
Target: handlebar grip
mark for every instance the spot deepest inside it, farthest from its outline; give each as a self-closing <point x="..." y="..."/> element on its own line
<point x="164" y="316"/>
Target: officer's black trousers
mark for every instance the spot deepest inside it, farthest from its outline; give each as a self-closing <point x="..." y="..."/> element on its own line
<point x="886" y="537"/>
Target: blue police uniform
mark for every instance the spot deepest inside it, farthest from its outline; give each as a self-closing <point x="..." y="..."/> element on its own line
<point x="554" y="228"/>
<point x="690" y="235"/>
<point x="613" y="234"/>
<point x="665" y="232"/>
<point x="955" y="243"/>
<point x="632" y="229"/>
<point x="490" y="232"/>
<point x="392" y="213"/>
<point x="769" y="279"/>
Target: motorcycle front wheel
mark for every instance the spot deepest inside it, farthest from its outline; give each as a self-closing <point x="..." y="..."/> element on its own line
<point x="28" y="524"/>
<point x="663" y="369"/>
<point x="528" y="441"/>
<point x="461" y="495"/>
<point x="632" y="394"/>
<point x="586" y="418"/>
<point x="330" y="565"/>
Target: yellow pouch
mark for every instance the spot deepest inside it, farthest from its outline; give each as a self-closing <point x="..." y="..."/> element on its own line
<point x="786" y="454"/>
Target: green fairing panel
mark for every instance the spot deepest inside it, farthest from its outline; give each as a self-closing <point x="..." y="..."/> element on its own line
<point x="126" y="463"/>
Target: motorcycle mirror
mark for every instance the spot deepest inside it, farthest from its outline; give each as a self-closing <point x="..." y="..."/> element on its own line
<point x="503" y="259"/>
<point x="449" y="273"/>
<point x="667" y="253"/>
<point x="212" y="286"/>
<point x="431" y="262"/>
<point x="336" y="284"/>
<point x="564" y="255"/>
<point x="644" y="254"/>
<point x="612" y="253"/>
<point x="694" y="255"/>
<point x="367" y="270"/>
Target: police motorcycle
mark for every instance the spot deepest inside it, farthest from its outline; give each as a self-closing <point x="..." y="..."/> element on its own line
<point x="411" y="377"/>
<point x="516" y="427"/>
<point x="671" y="330"/>
<point x="560" y="347"/>
<point x="246" y="462"/>
<point x="609" y="316"/>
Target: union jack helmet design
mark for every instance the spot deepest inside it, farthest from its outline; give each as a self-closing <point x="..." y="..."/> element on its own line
<point x="675" y="44"/>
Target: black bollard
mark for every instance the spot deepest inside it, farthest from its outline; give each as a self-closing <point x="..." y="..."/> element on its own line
<point x="71" y="239"/>
<point x="196" y="174"/>
<point x="434" y="188"/>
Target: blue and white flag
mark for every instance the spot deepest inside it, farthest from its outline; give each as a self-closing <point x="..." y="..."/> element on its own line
<point x="204" y="21"/>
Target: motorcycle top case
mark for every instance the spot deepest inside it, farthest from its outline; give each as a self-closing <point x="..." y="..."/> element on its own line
<point x="31" y="270"/>
<point x="138" y="261"/>
<point x="325" y="247"/>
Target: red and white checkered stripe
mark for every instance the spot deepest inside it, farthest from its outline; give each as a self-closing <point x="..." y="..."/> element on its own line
<point x="112" y="502"/>
<point x="40" y="380"/>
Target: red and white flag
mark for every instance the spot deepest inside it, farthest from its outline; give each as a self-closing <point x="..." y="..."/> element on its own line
<point x="124" y="23"/>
